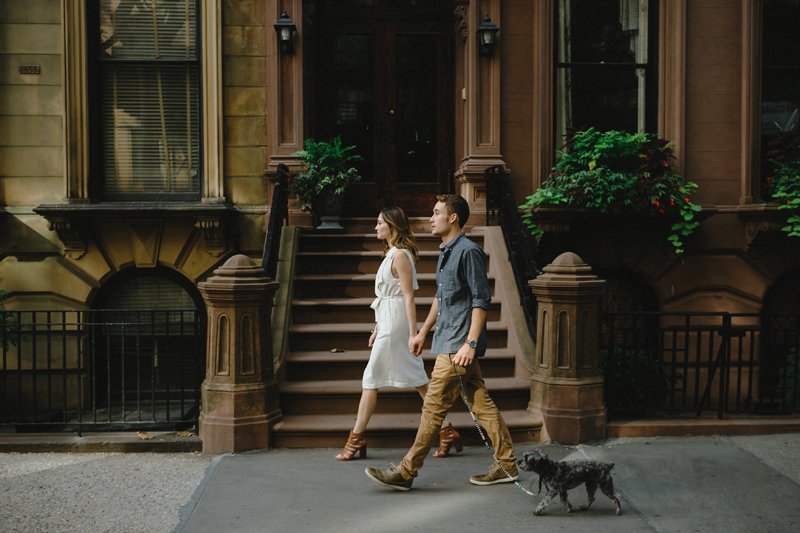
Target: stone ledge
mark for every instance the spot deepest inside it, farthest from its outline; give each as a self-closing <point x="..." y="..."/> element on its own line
<point x="108" y="442"/>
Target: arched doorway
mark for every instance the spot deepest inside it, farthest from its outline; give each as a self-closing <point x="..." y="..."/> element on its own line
<point x="381" y="76"/>
<point x="146" y="350"/>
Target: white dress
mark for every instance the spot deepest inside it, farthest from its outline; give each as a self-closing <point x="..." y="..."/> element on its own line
<point x="391" y="364"/>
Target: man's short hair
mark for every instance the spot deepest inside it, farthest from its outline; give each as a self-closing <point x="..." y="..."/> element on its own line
<point x="456" y="204"/>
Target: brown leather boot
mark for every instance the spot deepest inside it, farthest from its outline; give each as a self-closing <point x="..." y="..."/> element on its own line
<point x="355" y="443"/>
<point x="448" y="437"/>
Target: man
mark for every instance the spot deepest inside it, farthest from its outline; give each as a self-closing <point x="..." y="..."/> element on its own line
<point x="459" y="313"/>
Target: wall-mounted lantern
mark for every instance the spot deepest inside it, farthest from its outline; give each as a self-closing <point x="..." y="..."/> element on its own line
<point x="487" y="36"/>
<point x="285" y="29"/>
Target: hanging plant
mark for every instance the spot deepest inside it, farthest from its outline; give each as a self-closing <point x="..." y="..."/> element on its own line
<point x="618" y="172"/>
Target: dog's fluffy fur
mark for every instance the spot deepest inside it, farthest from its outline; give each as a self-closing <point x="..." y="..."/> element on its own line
<point x="560" y="476"/>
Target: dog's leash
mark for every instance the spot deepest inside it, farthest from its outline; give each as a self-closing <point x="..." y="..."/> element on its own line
<point x="485" y="439"/>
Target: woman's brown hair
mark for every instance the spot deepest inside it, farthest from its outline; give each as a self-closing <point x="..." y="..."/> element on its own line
<point x="400" y="230"/>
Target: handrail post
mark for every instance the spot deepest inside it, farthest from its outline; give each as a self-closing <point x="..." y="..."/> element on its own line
<point x="725" y="352"/>
<point x="566" y="386"/>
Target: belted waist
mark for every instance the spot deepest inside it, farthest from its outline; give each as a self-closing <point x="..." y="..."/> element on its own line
<point x="377" y="301"/>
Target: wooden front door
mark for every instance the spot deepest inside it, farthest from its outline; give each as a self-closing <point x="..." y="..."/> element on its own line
<point x="383" y="82"/>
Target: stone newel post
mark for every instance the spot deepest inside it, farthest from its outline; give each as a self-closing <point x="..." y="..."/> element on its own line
<point x="566" y="386"/>
<point x="239" y="399"/>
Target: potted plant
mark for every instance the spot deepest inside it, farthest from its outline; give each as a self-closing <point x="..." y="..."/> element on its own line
<point x="328" y="171"/>
<point x="616" y="172"/>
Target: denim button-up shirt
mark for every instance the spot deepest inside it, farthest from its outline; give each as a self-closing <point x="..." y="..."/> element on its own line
<point x="461" y="284"/>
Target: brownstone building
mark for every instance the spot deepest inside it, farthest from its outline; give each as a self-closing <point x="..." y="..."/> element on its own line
<point x="139" y="140"/>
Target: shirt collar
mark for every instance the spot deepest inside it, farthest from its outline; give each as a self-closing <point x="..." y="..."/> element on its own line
<point x="449" y="246"/>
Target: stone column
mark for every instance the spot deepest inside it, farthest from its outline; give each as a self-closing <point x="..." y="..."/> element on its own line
<point x="239" y="393"/>
<point x="566" y="387"/>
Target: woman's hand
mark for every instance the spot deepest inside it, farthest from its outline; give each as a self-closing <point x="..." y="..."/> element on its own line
<point x="372" y="337"/>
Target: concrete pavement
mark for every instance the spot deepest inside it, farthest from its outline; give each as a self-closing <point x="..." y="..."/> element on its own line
<point x="668" y="484"/>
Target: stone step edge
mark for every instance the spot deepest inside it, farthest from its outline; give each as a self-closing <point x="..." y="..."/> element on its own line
<point x="346" y="328"/>
<point x="702" y="426"/>
<point x="350" y="356"/>
<point x="363" y="278"/>
<point x="365" y="301"/>
<point x="394" y="422"/>
<point x="350" y="387"/>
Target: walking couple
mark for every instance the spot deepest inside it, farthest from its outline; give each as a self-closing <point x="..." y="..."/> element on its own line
<point x="459" y="314"/>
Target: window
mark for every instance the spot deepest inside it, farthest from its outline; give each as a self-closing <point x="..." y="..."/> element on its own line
<point x="147" y="106"/>
<point x="605" y="65"/>
<point x="780" y="86"/>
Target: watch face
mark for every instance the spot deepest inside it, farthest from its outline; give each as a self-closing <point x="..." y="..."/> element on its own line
<point x="472" y="344"/>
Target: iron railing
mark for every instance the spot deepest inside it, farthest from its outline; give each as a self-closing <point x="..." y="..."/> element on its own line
<point x="691" y="363"/>
<point x="93" y="370"/>
<point x="502" y="211"/>
<point x="278" y="214"/>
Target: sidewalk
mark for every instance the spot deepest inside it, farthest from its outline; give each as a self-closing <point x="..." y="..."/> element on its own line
<point x="698" y="484"/>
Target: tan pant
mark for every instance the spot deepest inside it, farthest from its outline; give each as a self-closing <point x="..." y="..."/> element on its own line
<point x="443" y="390"/>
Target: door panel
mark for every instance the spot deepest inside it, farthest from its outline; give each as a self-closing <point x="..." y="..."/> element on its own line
<point x="383" y="85"/>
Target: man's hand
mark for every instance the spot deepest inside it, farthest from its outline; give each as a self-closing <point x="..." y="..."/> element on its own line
<point x="415" y="344"/>
<point x="464" y="356"/>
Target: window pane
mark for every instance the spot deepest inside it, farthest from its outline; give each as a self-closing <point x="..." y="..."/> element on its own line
<point x="416" y="115"/>
<point x="602" y="98"/>
<point x="780" y="88"/>
<point x="150" y="125"/>
<point x="595" y="31"/>
<point x="604" y="69"/>
<point x="134" y="30"/>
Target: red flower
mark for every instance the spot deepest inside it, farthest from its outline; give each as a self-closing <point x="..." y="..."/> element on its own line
<point x="661" y="211"/>
<point x="656" y="202"/>
<point x="686" y="200"/>
<point x="672" y="202"/>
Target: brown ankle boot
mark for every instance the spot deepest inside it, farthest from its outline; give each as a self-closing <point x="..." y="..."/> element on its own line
<point x="355" y="443"/>
<point x="448" y="437"/>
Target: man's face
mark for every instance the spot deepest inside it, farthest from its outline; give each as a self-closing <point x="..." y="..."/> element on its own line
<point x="441" y="219"/>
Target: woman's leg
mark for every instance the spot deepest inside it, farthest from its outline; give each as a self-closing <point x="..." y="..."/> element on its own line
<point x="366" y="406"/>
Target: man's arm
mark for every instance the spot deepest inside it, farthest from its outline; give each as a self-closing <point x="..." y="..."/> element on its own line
<point x="415" y="344"/>
<point x="465" y="355"/>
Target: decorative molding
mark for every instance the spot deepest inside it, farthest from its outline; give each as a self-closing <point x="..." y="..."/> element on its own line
<point x="461" y="13"/>
<point x="76" y="107"/>
<point x="751" y="96"/>
<point x="672" y="76"/>
<point x="71" y="234"/>
<point x="542" y="141"/>
<point x="211" y="61"/>
<point x="69" y="221"/>
<point x="213" y="230"/>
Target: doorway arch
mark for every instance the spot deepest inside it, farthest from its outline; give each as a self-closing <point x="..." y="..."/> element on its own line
<point x="146" y="350"/>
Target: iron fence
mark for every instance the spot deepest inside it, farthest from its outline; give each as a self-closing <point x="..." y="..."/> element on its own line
<point x="691" y="363"/>
<point x="93" y="370"/>
<point x="502" y="211"/>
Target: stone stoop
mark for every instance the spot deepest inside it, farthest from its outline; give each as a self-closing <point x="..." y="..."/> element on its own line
<point x="331" y="321"/>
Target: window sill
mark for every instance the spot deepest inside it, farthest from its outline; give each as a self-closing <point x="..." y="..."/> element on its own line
<point x="70" y="221"/>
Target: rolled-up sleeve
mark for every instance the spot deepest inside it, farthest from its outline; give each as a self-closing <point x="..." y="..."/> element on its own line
<point x="474" y="263"/>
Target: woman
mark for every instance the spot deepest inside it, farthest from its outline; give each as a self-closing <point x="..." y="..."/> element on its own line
<point x="391" y="363"/>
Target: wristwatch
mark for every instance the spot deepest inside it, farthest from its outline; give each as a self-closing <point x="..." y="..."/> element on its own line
<point x="472" y="343"/>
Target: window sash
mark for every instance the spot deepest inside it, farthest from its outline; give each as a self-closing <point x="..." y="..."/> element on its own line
<point x="149" y="103"/>
<point x="621" y="77"/>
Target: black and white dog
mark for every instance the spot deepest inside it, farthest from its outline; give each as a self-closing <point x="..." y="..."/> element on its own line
<point x="560" y="476"/>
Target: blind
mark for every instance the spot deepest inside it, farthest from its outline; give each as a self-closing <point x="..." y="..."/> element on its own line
<point x="150" y="103"/>
<point x="150" y="292"/>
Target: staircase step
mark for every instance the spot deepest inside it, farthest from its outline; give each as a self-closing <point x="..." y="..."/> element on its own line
<point x="317" y="242"/>
<point x="354" y="336"/>
<point x="335" y="310"/>
<point x="391" y="430"/>
<point x="355" y="286"/>
<point x="349" y="365"/>
<point x="342" y="396"/>
<point x="352" y="262"/>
